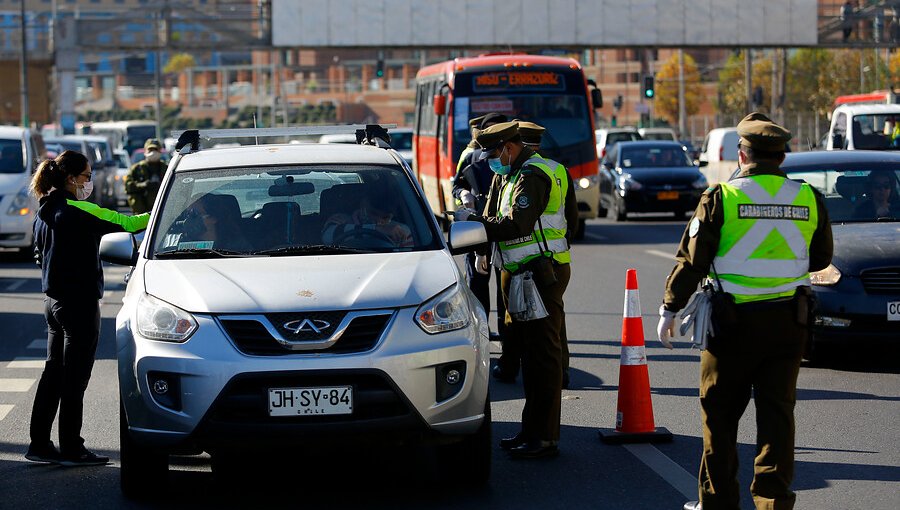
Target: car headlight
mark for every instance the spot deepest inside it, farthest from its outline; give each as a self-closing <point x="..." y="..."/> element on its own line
<point x="21" y="204"/>
<point x="627" y="182"/>
<point x="700" y="183"/>
<point x="828" y="276"/>
<point x="158" y="320"/>
<point x="447" y="311"/>
<point x="587" y="182"/>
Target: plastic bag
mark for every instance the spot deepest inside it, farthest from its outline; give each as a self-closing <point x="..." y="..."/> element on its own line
<point x="525" y="303"/>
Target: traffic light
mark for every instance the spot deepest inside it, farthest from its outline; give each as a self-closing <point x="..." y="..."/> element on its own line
<point x="379" y="68"/>
<point x="649" y="92"/>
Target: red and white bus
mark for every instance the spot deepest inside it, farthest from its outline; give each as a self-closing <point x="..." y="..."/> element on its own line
<point x="549" y="91"/>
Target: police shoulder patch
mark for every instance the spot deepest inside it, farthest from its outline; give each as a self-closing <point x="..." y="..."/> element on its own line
<point x="523" y="201"/>
<point x="694" y="227"/>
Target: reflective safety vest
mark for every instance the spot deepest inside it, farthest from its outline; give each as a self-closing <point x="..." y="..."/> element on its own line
<point x="549" y="241"/>
<point x="764" y="247"/>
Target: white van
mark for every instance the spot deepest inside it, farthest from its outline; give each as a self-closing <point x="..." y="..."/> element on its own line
<point x="21" y="151"/>
<point x="719" y="154"/>
<point x="864" y="126"/>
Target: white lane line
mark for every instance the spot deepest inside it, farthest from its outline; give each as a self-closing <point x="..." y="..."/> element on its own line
<point x="4" y="410"/>
<point x="16" y="284"/>
<point x="26" y="363"/>
<point x="667" y="256"/>
<point x="38" y="343"/>
<point x="675" y="475"/>
<point x="15" y="385"/>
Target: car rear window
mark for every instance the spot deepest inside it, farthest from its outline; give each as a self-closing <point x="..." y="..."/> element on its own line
<point x="255" y="210"/>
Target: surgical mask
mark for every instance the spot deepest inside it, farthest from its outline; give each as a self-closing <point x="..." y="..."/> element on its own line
<point x="84" y="191"/>
<point x="497" y="165"/>
<point x="153" y="156"/>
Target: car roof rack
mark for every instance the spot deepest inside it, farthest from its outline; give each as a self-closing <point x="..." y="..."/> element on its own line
<point x="366" y="134"/>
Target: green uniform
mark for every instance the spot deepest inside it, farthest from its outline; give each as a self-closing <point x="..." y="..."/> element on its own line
<point x="527" y="195"/>
<point x="758" y="352"/>
<point x="142" y="184"/>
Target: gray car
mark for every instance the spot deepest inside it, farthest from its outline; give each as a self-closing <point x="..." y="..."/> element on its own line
<point x="297" y="296"/>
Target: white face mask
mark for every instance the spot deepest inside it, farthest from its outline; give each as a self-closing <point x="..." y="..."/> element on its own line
<point x="84" y="191"/>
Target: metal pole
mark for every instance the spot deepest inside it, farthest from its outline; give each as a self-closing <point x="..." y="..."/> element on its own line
<point x="682" y="107"/>
<point x="23" y="66"/>
<point x="748" y="78"/>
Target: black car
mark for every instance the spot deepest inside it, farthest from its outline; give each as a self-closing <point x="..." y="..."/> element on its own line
<point x="649" y="176"/>
<point x="858" y="295"/>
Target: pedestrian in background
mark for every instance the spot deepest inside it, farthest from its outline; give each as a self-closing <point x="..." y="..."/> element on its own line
<point x="144" y="178"/>
<point x="526" y="219"/>
<point x="67" y="231"/>
<point x="758" y="236"/>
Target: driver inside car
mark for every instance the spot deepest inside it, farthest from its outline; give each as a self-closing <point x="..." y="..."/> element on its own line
<point x="371" y="217"/>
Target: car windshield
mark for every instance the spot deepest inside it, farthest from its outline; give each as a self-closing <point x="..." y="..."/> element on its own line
<point x="876" y="132"/>
<point x="855" y="193"/>
<point x="277" y="211"/>
<point x="11" y="157"/>
<point x="651" y="157"/>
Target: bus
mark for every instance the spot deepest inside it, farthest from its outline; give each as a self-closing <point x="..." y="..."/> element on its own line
<point x="550" y="91"/>
<point x="126" y="134"/>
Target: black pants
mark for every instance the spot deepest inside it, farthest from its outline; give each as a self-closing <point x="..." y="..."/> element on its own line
<point x="542" y="358"/>
<point x="73" y="328"/>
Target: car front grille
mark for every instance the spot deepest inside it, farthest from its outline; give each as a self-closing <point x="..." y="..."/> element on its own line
<point x="881" y="281"/>
<point x="250" y="336"/>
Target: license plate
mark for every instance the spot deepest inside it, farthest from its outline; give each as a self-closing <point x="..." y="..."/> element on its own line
<point x="327" y="400"/>
<point x="893" y="312"/>
<point x="667" y="195"/>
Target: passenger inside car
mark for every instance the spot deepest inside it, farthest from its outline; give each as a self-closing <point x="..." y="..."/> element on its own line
<point x="880" y="199"/>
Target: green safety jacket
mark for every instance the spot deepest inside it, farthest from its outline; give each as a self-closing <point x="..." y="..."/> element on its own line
<point x="548" y="238"/>
<point x="763" y="251"/>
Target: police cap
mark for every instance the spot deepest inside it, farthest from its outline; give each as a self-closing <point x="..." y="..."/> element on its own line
<point x="761" y="134"/>
<point x="530" y="132"/>
<point x="151" y="143"/>
<point x="491" y="138"/>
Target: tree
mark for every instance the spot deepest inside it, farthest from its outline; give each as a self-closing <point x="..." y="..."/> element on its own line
<point x="667" y="88"/>
<point x="179" y="62"/>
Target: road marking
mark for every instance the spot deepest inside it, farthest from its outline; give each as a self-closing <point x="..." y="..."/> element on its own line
<point x="26" y="363"/>
<point x="38" y="343"/>
<point x="15" y="385"/>
<point x="666" y="468"/>
<point x="16" y="284"/>
<point x="667" y="256"/>
<point x="4" y="410"/>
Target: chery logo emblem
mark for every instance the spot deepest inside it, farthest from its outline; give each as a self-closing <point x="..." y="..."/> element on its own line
<point x="314" y="326"/>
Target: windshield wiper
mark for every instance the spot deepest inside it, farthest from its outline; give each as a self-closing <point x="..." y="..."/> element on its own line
<point x="199" y="253"/>
<point x="305" y="249"/>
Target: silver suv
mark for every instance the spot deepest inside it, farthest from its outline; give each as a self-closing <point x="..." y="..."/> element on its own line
<point x="297" y="294"/>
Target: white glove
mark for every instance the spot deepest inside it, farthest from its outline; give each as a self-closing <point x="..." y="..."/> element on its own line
<point x="665" y="330"/>
<point x="481" y="264"/>
<point x="467" y="199"/>
<point x="463" y="214"/>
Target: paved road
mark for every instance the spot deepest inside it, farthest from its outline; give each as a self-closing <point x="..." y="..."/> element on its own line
<point x="847" y="446"/>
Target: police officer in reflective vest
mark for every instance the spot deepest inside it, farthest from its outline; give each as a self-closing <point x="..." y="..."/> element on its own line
<point x="525" y="216"/>
<point x="759" y="234"/>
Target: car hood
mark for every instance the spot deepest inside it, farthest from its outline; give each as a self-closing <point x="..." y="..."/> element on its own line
<point x="860" y="246"/>
<point x="10" y="184"/>
<point x="664" y="175"/>
<point x="273" y="284"/>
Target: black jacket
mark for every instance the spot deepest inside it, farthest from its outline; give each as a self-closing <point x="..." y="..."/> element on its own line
<point x="67" y="236"/>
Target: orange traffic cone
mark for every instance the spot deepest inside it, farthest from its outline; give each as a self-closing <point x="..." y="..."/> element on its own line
<point x="634" y="412"/>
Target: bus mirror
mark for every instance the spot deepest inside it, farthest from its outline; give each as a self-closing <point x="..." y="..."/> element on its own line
<point x="597" y="98"/>
<point x="440" y="104"/>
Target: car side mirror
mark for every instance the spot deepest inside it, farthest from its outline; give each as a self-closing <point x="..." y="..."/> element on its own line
<point x="119" y="248"/>
<point x="466" y="235"/>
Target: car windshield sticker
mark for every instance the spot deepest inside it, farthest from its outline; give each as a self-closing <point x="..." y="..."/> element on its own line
<point x="773" y="212"/>
<point x="196" y="245"/>
<point x="523" y="202"/>
<point x="694" y="228"/>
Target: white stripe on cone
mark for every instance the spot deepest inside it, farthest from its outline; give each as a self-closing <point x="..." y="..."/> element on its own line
<point x="633" y="355"/>
<point x="632" y="304"/>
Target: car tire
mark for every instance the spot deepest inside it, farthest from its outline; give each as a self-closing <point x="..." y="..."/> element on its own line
<point x="468" y="462"/>
<point x="579" y="231"/>
<point x="144" y="471"/>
